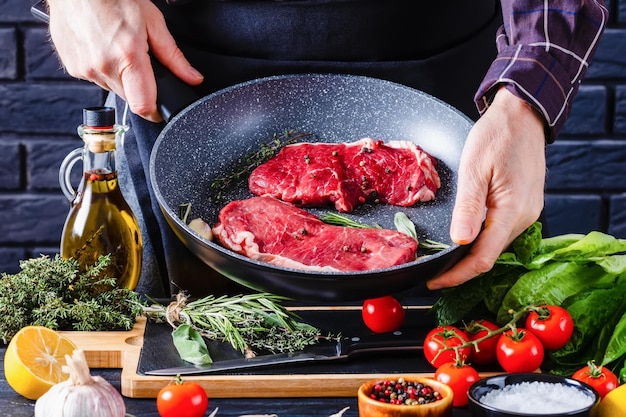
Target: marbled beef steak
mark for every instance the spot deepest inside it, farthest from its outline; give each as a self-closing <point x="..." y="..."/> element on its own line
<point x="348" y="174"/>
<point x="269" y="230"/>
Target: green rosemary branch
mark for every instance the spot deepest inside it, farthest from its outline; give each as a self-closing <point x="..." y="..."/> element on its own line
<point x="250" y="323"/>
<point x="342" y="220"/>
<point x="401" y="221"/>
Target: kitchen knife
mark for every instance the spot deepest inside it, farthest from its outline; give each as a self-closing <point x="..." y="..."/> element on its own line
<point x="323" y="351"/>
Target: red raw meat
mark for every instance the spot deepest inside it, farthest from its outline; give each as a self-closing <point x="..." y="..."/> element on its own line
<point x="348" y="174"/>
<point x="269" y="230"/>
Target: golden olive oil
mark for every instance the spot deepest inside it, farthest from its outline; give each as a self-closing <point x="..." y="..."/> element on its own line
<point x="100" y="221"/>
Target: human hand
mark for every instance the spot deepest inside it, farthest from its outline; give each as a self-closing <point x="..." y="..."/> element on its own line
<point x="107" y="42"/>
<point x="502" y="170"/>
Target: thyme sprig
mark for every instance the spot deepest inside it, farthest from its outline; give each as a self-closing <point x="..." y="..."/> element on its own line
<point x="251" y="323"/>
<point x="250" y="162"/>
<point x="56" y="294"/>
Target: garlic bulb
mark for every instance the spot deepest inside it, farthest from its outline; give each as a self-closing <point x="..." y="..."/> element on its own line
<point x="81" y="395"/>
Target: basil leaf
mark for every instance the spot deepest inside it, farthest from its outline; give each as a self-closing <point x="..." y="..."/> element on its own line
<point x="190" y="345"/>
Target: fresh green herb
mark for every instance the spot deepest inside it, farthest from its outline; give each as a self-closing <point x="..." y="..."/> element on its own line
<point x="191" y="346"/>
<point x="401" y="221"/>
<point x="337" y="219"/>
<point x="404" y="224"/>
<point x="586" y="274"/>
<point x="56" y="294"/>
<point x="250" y="323"/>
<point x="250" y="162"/>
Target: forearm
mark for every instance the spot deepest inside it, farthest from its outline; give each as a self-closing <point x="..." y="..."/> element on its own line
<point x="544" y="50"/>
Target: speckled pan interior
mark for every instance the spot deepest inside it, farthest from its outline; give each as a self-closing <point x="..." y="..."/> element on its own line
<point x="208" y="139"/>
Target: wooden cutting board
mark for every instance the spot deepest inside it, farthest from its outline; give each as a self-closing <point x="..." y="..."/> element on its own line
<point x="122" y="349"/>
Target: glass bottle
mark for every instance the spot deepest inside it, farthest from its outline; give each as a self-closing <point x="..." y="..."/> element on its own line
<point x="100" y="221"/>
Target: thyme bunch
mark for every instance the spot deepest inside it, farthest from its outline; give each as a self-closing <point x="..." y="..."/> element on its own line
<point x="58" y="294"/>
<point x="250" y="323"/>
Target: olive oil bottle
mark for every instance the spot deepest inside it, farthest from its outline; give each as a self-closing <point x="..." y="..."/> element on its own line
<point x="100" y="221"/>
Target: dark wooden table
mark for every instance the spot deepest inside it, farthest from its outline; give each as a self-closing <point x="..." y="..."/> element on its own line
<point x="14" y="405"/>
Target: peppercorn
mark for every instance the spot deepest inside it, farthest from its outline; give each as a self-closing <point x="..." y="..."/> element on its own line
<point x="403" y="392"/>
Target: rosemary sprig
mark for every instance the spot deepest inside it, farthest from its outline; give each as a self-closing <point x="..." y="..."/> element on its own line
<point x="401" y="221"/>
<point x="341" y="220"/>
<point x="253" y="160"/>
<point x="433" y="245"/>
<point x="250" y="323"/>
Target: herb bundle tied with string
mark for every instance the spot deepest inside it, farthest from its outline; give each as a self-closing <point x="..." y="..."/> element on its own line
<point x="251" y="323"/>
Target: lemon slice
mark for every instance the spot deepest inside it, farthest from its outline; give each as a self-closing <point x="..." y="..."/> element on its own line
<point x="34" y="359"/>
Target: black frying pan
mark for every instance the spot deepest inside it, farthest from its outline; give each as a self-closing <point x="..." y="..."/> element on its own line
<point x="208" y="139"/>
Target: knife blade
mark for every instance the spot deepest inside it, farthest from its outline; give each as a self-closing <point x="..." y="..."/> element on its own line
<point x="342" y="349"/>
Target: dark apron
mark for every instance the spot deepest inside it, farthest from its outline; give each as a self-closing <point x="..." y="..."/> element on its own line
<point x="444" y="50"/>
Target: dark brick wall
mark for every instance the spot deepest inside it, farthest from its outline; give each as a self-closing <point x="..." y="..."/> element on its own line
<point x="40" y="108"/>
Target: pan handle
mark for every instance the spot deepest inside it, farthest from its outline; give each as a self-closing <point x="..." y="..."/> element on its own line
<point x="173" y="94"/>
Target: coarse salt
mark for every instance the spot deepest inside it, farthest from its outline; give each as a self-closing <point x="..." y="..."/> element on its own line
<point x="537" y="397"/>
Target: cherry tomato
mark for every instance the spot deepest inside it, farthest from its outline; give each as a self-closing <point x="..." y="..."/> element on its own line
<point x="600" y="378"/>
<point x="553" y="325"/>
<point x="182" y="399"/>
<point x="483" y="353"/>
<point x="459" y="377"/>
<point x="519" y="350"/>
<point x="383" y="314"/>
<point x="443" y="337"/>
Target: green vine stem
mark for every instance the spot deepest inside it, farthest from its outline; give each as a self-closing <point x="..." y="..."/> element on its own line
<point x="510" y="325"/>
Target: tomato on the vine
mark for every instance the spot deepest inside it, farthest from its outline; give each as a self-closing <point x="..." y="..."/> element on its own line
<point x="442" y="337"/>
<point x="383" y="314"/>
<point x="182" y="399"/>
<point x="600" y="378"/>
<point x="459" y="376"/>
<point x="553" y="325"/>
<point x="483" y="353"/>
<point x="519" y="350"/>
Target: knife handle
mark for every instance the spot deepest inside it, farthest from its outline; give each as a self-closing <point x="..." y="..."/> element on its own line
<point x="381" y="342"/>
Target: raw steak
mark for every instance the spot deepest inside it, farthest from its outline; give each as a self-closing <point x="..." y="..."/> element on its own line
<point x="269" y="230"/>
<point x="348" y="174"/>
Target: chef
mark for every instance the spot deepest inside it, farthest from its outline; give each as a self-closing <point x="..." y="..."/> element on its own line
<point x="517" y="80"/>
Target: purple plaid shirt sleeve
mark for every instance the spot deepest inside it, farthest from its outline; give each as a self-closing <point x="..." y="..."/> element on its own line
<point x="544" y="49"/>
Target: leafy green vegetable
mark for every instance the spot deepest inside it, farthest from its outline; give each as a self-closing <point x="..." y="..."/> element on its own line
<point x="602" y="302"/>
<point x="551" y="284"/>
<point x="616" y="347"/>
<point x="584" y="273"/>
